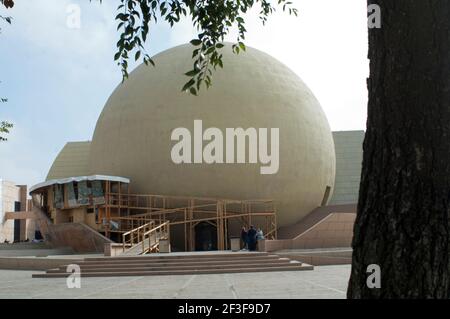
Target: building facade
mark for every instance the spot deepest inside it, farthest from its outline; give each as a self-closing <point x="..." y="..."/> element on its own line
<point x="135" y="139"/>
<point x="13" y="198"/>
<point x="348" y="147"/>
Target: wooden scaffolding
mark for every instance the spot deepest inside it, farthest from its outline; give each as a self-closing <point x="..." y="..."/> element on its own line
<point x="130" y="211"/>
<point x="119" y="212"/>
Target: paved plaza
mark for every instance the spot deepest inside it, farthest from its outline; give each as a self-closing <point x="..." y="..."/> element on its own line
<point x="322" y="283"/>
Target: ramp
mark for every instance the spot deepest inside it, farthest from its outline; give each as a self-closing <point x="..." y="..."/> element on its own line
<point x="325" y="227"/>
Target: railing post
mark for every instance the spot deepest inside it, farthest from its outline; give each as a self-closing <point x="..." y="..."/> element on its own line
<point x="149" y="242"/>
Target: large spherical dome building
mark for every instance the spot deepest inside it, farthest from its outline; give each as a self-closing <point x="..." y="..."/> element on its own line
<point x="253" y="90"/>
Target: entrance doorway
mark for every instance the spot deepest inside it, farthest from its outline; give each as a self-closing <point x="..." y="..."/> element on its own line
<point x="205" y="237"/>
<point x="17" y="223"/>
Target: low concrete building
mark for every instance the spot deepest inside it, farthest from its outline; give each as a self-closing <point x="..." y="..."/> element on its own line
<point x="13" y="198"/>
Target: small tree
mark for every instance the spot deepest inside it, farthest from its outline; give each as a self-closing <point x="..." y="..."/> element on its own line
<point x="4" y="129"/>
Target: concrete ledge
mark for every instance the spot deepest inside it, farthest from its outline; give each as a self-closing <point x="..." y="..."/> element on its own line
<point x="114" y="249"/>
<point x="320" y="257"/>
<point x="277" y="244"/>
<point x="321" y="260"/>
<point x="19" y="215"/>
<point x="24" y="245"/>
<point x="35" y="263"/>
<point x="35" y="252"/>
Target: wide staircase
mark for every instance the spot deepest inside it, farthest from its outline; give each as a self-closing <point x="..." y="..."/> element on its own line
<point x="180" y="264"/>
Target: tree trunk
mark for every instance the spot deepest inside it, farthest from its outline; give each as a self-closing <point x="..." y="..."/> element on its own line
<point x="402" y="222"/>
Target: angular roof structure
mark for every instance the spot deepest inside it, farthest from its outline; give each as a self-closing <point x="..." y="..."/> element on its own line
<point x="71" y="161"/>
<point x="67" y="180"/>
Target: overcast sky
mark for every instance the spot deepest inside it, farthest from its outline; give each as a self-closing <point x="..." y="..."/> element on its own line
<point x="57" y="79"/>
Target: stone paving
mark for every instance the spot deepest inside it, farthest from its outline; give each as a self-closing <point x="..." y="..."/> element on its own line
<point x="323" y="282"/>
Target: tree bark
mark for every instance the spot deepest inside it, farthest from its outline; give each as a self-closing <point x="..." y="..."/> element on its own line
<point x="402" y="221"/>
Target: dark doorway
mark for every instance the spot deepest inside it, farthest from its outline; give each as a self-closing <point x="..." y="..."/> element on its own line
<point x="17" y="223"/>
<point x="115" y="237"/>
<point x="205" y="237"/>
<point x="326" y="196"/>
<point x="38" y="235"/>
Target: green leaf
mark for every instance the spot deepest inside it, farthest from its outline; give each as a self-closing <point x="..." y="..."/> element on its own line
<point x="193" y="91"/>
<point x="188" y="85"/>
<point x="196" y="42"/>
<point x="210" y="50"/>
<point x="192" y="73"/>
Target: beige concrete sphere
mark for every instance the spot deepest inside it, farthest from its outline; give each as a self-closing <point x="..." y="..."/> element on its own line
<point x="253" y="90"/>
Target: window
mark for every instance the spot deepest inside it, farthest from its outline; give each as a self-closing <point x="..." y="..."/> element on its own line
<point x="75" y="189"/>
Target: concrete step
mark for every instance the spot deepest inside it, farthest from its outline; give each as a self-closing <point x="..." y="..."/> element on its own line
<point x="133" y="263"/>
<point x="114" y="261"/>
<point x="183" y="256"/>
<point x="179" y="267"/>
<point x="299" y="267"/>
<point x="179" y="264"/>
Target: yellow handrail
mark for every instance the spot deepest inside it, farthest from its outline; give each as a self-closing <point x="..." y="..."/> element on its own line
<point x="133" y="231"/>
<point x="226" y="200"/>
<point x="156" y="228"/>
<point x="138" y="228"/>
<point x="143" y="234"/>
<point x="165" y="228"/>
